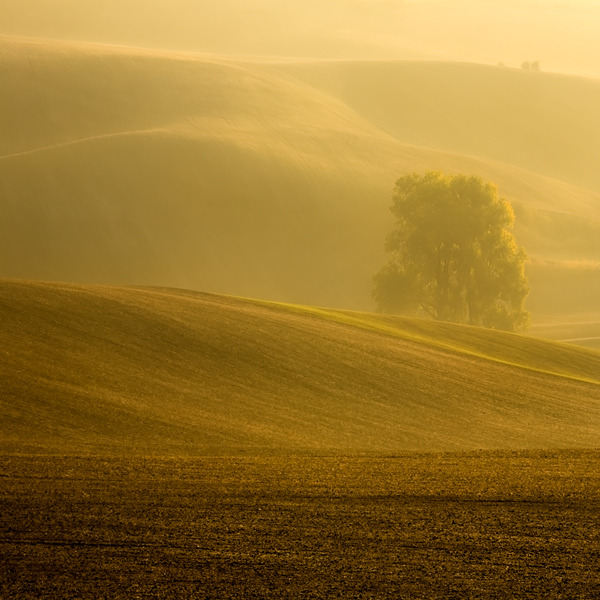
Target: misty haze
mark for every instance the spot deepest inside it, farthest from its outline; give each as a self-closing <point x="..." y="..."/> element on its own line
<point x="300" y="299"/>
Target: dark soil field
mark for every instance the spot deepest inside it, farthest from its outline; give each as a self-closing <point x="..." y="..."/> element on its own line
<point x="462" y="525"/>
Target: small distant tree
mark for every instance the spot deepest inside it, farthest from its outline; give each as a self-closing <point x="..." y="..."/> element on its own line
<point x="452" y="255"/>
<point x="531" y="66"/>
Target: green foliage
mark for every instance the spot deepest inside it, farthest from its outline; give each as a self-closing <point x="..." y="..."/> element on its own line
<point x="452" y="254"/>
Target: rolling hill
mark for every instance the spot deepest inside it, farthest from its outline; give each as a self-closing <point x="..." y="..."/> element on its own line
<point x="559" y="33"/>
<point x="166" y="442"/>
<point x="92" y="369"/>
<point x="272" y="178"/>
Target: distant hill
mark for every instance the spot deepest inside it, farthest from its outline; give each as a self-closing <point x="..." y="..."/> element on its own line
<point x="561" y="34"/>
<point x="87" y="369"/>
<point x="273" y="179"/>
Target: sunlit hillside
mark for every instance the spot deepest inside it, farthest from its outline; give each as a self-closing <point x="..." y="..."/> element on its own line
<point x="197" y="396"/>
<point x="99" y="369"/>
<point x="273" y="179"/>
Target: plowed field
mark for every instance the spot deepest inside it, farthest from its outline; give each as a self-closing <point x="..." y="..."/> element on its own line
<point x="476" y="525"/>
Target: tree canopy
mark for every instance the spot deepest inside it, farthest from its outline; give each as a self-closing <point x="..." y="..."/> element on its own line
<point x="452" y="254"/>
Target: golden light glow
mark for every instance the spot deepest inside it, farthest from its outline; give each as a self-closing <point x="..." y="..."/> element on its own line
<point x="251" y="148"/>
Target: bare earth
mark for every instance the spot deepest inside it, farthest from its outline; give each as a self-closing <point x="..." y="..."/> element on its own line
<point x="470" y="525"/>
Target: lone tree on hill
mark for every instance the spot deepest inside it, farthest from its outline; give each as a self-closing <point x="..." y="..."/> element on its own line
<point x="453" y="256"/>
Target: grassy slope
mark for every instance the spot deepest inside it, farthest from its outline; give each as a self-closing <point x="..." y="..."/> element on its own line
<point x="104" y="369"/>
<point x="269" y="180"/>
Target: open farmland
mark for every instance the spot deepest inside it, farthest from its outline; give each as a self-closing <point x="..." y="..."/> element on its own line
<point x="160" y="443"/>
<point x="476" y="525"/>
<point x="88" y="369"/>
<point x="269" y="436"/>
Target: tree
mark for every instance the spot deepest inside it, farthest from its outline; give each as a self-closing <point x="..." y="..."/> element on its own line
<point x="452" y="255"/>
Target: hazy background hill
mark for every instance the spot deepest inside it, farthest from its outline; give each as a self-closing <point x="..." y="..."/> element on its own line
<point x="562" y="34"/>
<point x="194" y="163"/>
<point x="274" y="179"/>
<point x="158" y="371"/>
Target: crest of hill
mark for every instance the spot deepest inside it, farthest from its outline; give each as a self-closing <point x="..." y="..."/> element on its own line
<point x="511" y="116"/>
<point x="273" y="179"/>
<point x="88" y="369"/>
<point x="561" y="33"/>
